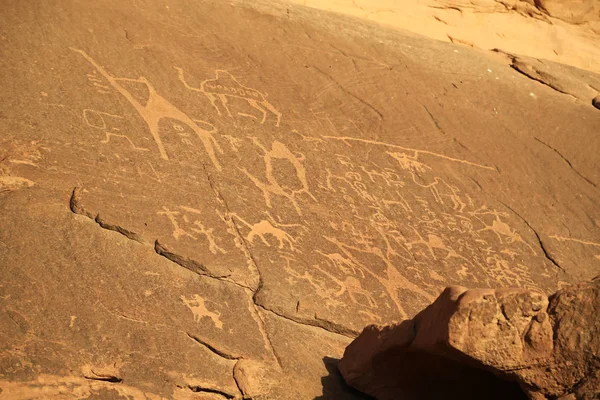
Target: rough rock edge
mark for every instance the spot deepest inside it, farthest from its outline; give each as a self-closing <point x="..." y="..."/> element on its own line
<point x="459" y="327"/>
<point x="527" y="67"/>
<point x="77" y="207"/>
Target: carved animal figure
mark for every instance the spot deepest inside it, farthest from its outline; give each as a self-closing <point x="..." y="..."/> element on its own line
<point x="225" y="86"/>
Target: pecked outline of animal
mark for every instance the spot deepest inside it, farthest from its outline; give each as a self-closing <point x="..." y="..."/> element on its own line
<point x="214" y="90"/>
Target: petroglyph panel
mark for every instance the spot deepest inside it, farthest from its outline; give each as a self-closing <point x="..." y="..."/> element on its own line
<point x="352" y="225"/>
<point x="196" y="182"/>
<point x="349" y="223"/>
<point x="341" y="210"/>
<point x="383" y="228"/>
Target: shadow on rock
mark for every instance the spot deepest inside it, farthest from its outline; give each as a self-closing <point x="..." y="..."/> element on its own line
<point x="420" y="375"/>
<point x="506" y="343"/>
<point x="334" y="386"/>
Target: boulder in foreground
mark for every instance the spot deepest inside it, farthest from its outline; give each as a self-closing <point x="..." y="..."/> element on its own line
<point x="484" y="343"/>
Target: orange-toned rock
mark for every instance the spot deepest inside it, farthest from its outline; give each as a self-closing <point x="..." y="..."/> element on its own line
<point x="485" y="344"/>
<point x="572" y="11"/>
<point x="209" y="199"/>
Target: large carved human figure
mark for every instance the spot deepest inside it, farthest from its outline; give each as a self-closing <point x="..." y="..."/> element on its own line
<point x="279" y="151"/>
<point x="157" y="108"/>
<point x="391" y="279"/>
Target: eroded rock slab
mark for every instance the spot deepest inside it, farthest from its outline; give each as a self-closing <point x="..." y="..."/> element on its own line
<point x="485" y="344"/>
<point x="133" y="317"/>
<point x="201" y="187"/>
<point x="563" y="31"/>
<point x="570" y="81"/>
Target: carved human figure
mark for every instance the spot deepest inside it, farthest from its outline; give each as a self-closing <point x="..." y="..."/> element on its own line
<point x="156" y="109"/>
<point x="279" y="151"/>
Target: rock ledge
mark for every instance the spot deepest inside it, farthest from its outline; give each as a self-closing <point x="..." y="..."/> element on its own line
<point x="485" y="343"/>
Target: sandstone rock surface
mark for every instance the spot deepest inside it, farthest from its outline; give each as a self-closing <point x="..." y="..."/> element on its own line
<point x="485" y="344"/>
<point x="573" y="11"/>
<point x="563" y="31"/>
<point x="211" y="199"/>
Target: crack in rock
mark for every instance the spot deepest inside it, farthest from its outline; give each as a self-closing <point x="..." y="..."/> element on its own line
<point x="230" y="221"/>
<point x="530" y="71"/>
<point x="160" y="249"/>
<point x="262" y="327"/>
<point x="433" y="119"/>
<point x="192" y="265"/>
<point x="221" y="354"/>
<point x="477" y="183"/>
<point x="254" y="269"/>
<point x="539" y="239"/>
<point x="104" y="378"/>
<point x="317" y="322"/>
<point x="125" y="232"/>
<point x="184" y="261"/>
<point x="201" y="389"/>
<point x="568" y="162"/>
<point x="77" y="208"/>
<point x="212" y="348"/>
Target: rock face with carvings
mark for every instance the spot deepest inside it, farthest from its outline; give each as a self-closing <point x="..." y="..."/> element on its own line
<point x="506" y="343"/>
<point x="211" y="199"/>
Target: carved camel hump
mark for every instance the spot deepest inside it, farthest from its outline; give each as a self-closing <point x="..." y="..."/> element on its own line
<point x="225" y="84"/>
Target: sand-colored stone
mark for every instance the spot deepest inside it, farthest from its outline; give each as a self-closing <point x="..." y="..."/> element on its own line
<point x="481" y="344"/>
<point x="212" y="199"/>
<point x="563" y="31"/>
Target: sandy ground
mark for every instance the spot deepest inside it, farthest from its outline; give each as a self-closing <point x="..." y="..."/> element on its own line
<point x="487" y="24"/>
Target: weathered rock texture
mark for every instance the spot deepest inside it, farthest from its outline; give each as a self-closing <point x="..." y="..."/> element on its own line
<point x="478" y="344"/>
<point x="212" y="198"/>
<point x="573" y="11"/>
<point x="564" y="31"/>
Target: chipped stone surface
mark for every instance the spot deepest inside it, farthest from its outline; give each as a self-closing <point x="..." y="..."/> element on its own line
<point x="190" y="191"/>
<point x="575" y="370"/>
<point x="578" y="84"/>
<point x="481" y="344"/>
<point x="305" y="354"/>
<point x="79" y="318"/>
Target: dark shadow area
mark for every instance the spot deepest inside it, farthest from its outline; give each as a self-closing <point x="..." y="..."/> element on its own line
<point x="334" y="386"/>
<point x="411" y="375"/>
